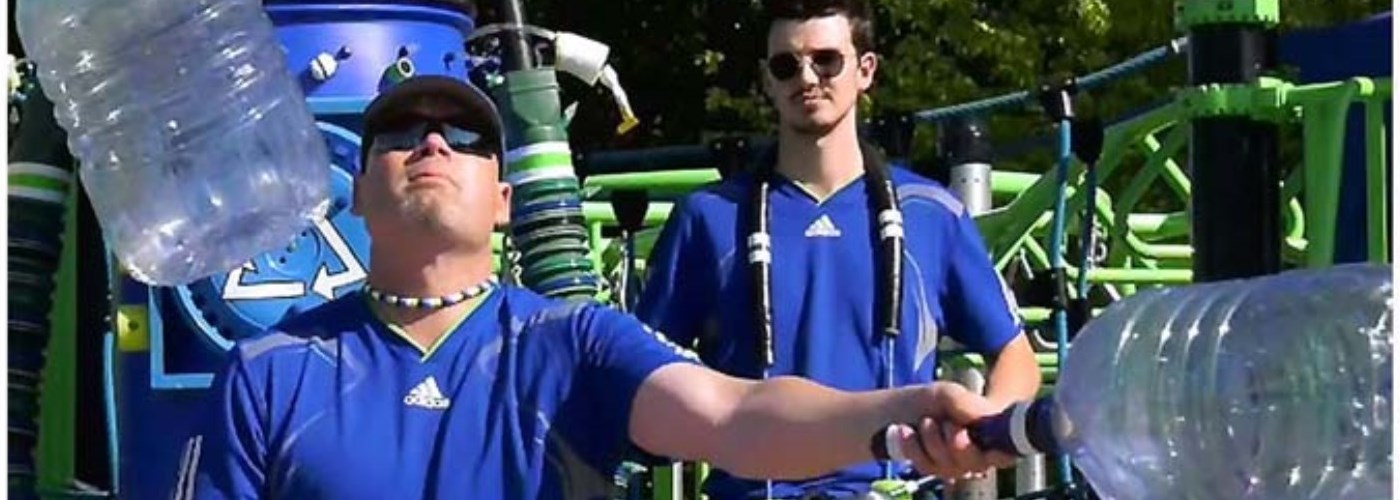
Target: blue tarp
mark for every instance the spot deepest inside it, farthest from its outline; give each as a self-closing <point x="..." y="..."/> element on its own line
<point x="1362" y="48"/>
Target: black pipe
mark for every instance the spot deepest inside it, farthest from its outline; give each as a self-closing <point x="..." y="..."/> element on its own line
<point x="516" y="54"/>
<point x="1235" y="225"/>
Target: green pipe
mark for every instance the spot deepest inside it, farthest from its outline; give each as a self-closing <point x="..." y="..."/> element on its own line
<point x="976" y="361"/>
<point x="1137" y="276"/>
<point x="1324" y="128"/>
<point x="598" y="211"/>
<point x="1004" y="227"/>
<point x="661" y="183"/>
<point x="1378" y="225"/>
<point x="539" y="167"/>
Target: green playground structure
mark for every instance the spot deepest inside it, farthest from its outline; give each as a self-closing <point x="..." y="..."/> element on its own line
<point x="598" y="231"/>
<point x="1145" y="249"/>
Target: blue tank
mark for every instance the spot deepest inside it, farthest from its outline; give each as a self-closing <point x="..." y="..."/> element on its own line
<point x="172" y="340"/>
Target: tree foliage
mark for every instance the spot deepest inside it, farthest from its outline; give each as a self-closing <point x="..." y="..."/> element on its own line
<point x="691" y="66"/>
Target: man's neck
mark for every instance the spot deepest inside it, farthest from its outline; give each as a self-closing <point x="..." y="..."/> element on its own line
<point x="820" y="165"/>
<point x="418" y="272"/>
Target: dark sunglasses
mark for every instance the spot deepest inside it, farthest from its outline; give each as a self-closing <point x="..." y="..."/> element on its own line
<point x="826" y="63"/>
<point x="408" y="138"/>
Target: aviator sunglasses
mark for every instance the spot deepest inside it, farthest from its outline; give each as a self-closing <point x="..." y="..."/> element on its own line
<point x="826" y="63"/>
<point x="408" y="138"/>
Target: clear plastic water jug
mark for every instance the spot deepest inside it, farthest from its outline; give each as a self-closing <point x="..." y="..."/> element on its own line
<point x="196" y="145"/>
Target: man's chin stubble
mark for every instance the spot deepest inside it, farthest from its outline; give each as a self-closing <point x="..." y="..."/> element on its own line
<point x="812" y="129"/>
<point x="423" y="214"/>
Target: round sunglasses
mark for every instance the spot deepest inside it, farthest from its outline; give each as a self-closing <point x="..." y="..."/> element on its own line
<point x="409" y="137"/>
<point x="826" y="63"/>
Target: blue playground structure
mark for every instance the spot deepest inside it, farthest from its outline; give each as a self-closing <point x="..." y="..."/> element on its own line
<point x="106" y="372"/>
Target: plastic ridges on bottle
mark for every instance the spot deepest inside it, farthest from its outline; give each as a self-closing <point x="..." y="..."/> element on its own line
<point x="197" y="147"/>
<point x="1270" y="388"/>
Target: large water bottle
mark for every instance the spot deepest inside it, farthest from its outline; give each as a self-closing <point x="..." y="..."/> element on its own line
<point x="197" y="148"/>
<point x="1269" y="388"/>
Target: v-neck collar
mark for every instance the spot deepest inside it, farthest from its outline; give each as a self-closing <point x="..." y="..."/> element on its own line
<point x="802" y="192"/>
<point x="393" y="331"/>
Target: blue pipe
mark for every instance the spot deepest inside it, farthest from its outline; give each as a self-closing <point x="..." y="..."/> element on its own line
<point x="109" y="396"/>
<point x="1087" y="82"/>
<point x="1057" y="264"/>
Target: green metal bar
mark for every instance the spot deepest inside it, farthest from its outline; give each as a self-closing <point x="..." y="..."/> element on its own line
<point x="54" y="454"/>
<point x="596" y="243"/>
<point x="1144" y="249"/>
<point x="1294" y="236"/>
<point x="1147" y="225"/>
<point x="664" y="481"/>
<point x="1132" y="195"/>
<point x="1295" y="246"/>
<point x="1011" y="184"/>
<point x="1152" y="227"/>
<point x="654" y="183"/>
<point x="1032" y="246"/>
<point x="1136" y="276"/>
<point x="598" y="211"/>
<point x="1004" y="227"/>
<point x="1292" y="209"/>
<point x="1147" y="123"/>
<point x="1324" y="127"/>
<point x="976" y="361"/>
<point x="1037" y="315"/>
<point x="1176" y="177"/>
<point x="1378" y="226"/>
<point x="1104" y="208"/>
<point x="1127" y="289"/>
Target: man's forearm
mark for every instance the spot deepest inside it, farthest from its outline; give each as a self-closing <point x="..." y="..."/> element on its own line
<point x="791" y="428"/>
<point x="1014" y="375"/>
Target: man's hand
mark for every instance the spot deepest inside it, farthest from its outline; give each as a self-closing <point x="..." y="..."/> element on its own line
<point x="941" y="446"/>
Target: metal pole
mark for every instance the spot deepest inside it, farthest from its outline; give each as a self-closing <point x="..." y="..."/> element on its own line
<point x="967" y="149"/>
<point x="516" y="49"/>
<point x="1234" y="166"/>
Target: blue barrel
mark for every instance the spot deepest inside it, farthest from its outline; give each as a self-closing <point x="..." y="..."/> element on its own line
<point x="372" y="46"/>
<point x="343" y="55"/>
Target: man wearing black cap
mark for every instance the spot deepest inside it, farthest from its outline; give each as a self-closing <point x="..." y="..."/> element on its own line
<point x="435" y="381"/>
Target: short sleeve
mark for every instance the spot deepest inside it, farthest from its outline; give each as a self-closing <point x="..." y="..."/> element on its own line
<point x="682" y="279"/>
<point x="981" y="311"/>
<point x="621" y="351"/>
<point x="227" y="458"/>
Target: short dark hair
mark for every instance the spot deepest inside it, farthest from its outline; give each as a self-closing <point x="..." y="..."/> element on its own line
<point x="857" y="11"/>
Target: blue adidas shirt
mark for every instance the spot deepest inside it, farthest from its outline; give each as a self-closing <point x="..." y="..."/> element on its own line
<point x="824" y="293"/>
<point x="526" y="398"/>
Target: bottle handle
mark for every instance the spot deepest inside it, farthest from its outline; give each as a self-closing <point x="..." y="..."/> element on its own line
<point x="1024" y="429"/>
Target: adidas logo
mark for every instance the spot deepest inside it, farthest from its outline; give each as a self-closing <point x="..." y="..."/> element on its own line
<point x="823" y="228"/>
<point x="427" y="395"/>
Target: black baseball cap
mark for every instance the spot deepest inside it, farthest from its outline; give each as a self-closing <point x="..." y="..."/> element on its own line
<point x="433" y="97"/>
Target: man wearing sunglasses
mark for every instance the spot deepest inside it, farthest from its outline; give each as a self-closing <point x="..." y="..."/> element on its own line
<point x="435" y="381"/>
<point x="822" y="262"/>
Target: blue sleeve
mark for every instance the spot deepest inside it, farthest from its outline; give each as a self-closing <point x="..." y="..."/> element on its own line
<point x="682" y="279"/>
<point x="981" y="311"/>
<point x="620" y="352"/>
<point x="227" y="458"/>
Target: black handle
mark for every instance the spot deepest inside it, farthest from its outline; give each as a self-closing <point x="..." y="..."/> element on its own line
<point x="1035" y="421"/>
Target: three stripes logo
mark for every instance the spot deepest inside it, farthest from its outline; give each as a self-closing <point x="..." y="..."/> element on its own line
<point x="427" y="395"/>
<point x="823" y="228"/>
